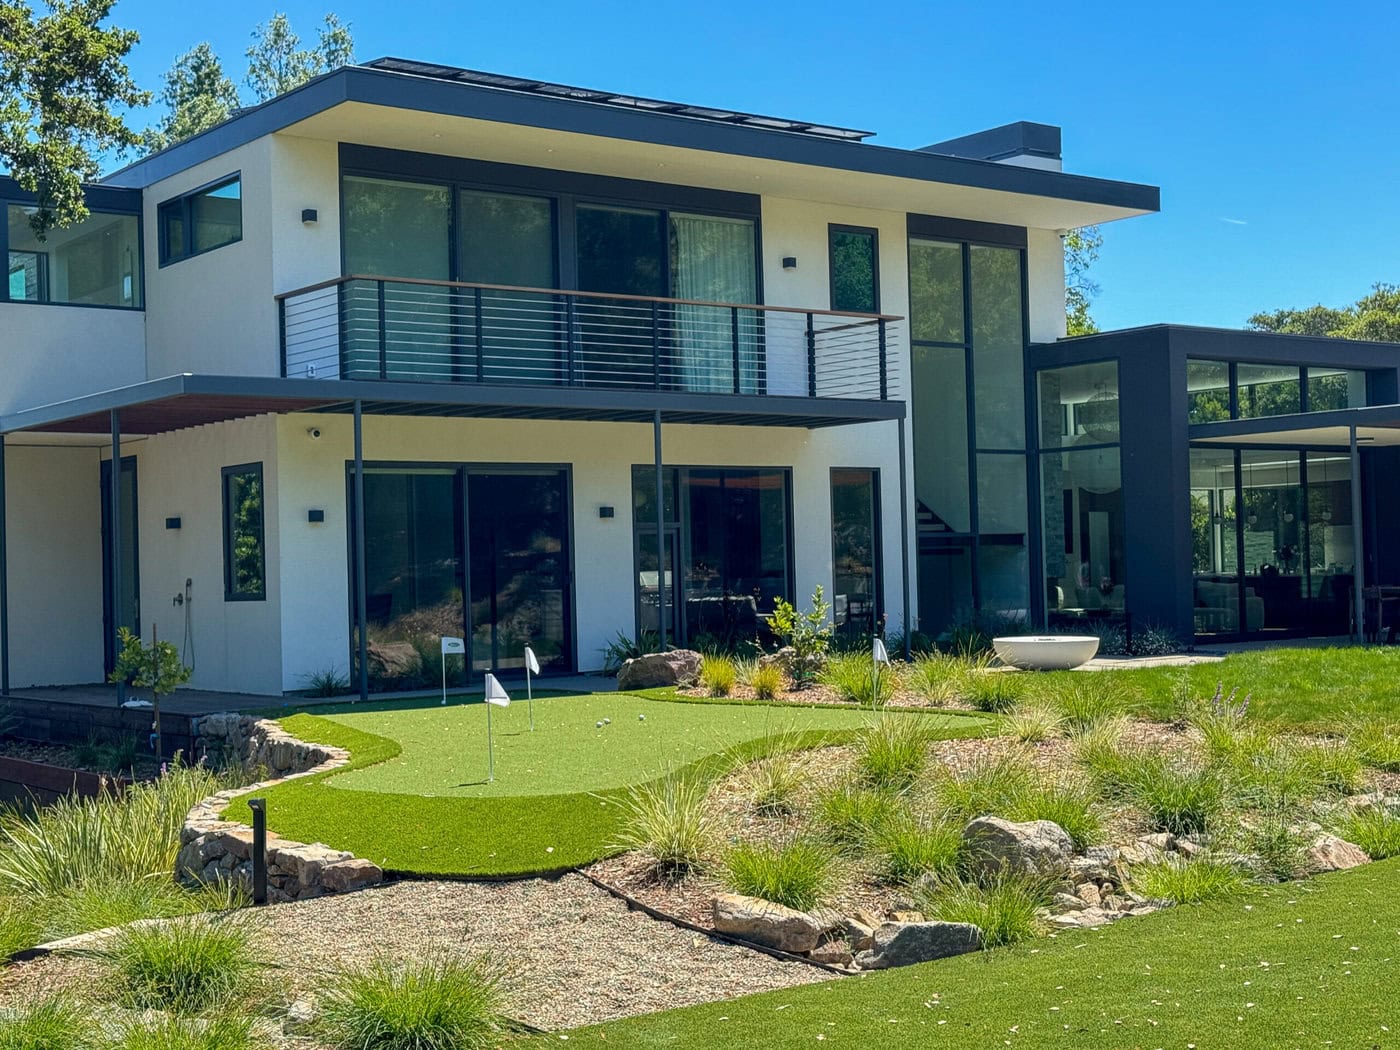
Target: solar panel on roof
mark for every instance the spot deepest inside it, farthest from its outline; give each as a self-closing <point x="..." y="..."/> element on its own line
<point x="505" y="82"/>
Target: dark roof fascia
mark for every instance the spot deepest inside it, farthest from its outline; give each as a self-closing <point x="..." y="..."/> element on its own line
<point x="1022" y="138"/>
<point x="1246" y="345"/>
<point x="425" y="94"/>
<point x="462" y="399"/>
<point x="1370" y="416"/>
<point x="98" y="198"/>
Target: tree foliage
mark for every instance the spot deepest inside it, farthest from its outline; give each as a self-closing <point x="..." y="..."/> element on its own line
<point x="277" y="63"/>
<point x="1375" y="317"/>
<point x="1081" y="251"/>
<point x="63" y="76"/>
<point x="196" y="93"/>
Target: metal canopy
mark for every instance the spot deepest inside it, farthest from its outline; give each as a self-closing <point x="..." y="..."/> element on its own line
<point x="178" y="402"/>
<point x="505" y="82"/>
<point x="1377" y="426"/>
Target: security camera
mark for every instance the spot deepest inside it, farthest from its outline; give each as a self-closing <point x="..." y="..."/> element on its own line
<point x="314" y="433"/>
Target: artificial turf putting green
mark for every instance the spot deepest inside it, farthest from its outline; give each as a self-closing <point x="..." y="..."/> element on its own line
<point x="1295" y="965"/>
<point x="497" y="833"/>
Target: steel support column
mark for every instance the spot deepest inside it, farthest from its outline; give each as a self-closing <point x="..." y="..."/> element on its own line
<point x="114" y="542"/>
<point x="361" y="594"/>
<point x="661" y="589"/>
<point x="904" y="538"/>
<point x="1357" y="539"/>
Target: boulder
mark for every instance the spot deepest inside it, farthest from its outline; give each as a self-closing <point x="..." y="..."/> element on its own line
<point x="907" y="943"/>
<point x="1089" y="893"/>
<point x="1035" y="847"/>
<point x="785" y="659"/>
<point x="1330" y="853"/>
<point x="769" y="924"/>
<point x="1070" y="901"/>
<point x="860" y="931"/>
<point x="655" y="670"/>
<point x="833" y="953"/>
<point x="344" y="876"/>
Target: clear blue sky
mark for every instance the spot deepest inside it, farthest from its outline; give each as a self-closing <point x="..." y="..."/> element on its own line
<point x="1270" y="128"/>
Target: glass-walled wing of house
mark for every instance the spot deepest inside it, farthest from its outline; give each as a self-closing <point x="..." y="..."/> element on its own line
<point x="96" y="262"/>
<point x="1221" y="390"/>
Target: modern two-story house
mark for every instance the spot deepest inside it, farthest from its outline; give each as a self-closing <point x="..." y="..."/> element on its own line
<point x="414" y="351"/>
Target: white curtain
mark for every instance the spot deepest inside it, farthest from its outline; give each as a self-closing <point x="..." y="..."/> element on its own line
<point x="713" y="261"/>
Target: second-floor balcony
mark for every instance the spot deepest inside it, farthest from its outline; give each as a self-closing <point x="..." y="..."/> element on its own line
<point x="386" y="328"/>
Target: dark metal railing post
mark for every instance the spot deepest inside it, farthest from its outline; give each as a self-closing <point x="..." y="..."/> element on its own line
<point x="570" y="336"/>
<point x="734" y="345"/>
<point x="811" y="358"/>
<point x="383" y="335"/>
<point x="114" y="540"/>
<point x="480" y="348"/>
<point x="884" y="374"/>
<point x="282" y="334"/>
<point x="342" y="331"/>
<point x="259" y="808"/>
<point x="656" y="345"/>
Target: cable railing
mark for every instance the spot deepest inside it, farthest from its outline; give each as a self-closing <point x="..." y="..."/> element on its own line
<point x="414" y="330"/>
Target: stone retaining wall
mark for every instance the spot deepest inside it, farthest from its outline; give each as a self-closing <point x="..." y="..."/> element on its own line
<point x="213" y="850"/>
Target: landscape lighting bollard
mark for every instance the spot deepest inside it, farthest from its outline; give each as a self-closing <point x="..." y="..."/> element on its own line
<point x="259" y="808"/>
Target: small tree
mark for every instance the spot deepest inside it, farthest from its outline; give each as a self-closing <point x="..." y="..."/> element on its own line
<point x="156" y="667"/>
<point x="807" y="634"/>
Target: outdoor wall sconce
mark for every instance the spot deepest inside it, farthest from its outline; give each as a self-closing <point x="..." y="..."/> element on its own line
<point x="605" y="511"/>
<point x="789" y="262"/>
<point x="172" y="523"/>
<point x="316" y="517"/>
<point x="308" y="216"/>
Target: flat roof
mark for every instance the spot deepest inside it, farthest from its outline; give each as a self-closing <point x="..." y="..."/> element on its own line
<point x="1377" y="426"/>
<point x="177" y="402"/>
<point x="724" y="132"/>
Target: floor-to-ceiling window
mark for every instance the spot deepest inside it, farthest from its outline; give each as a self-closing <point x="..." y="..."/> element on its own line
<point x="967" y="328"/>
<point x="855" y="551"/>
<point x="729" y="534"/>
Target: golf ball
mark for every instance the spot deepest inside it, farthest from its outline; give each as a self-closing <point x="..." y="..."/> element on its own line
<point x="607" y="721"/>
<point x="597" y="725"/>
<point x="641" y="718"/>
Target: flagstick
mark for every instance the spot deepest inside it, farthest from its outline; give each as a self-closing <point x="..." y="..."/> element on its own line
<point x="490" y="748"/>
<point x="529" y="697"/>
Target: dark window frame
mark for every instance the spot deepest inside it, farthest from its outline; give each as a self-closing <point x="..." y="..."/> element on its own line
<point x="877" y="559"/>
<point x="23" y="201"/>
<point x="1304" y="394"/>
<point x="833" y="228"/>
<point x="184" y="203"/>
<point x="230" y="594"/>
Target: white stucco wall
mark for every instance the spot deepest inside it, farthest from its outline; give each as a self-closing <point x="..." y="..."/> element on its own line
<point x="1045" y="283"/>
<point x="52" y="353"/>
<point x="54" y="543"/>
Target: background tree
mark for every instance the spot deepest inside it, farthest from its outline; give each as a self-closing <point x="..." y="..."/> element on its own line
<point x="1375" y="316"/>
<point x="1081" y="252"/>
<point x="62" y="76"/>
<point x="275" y="65"/>
<point x="197" y="94"/>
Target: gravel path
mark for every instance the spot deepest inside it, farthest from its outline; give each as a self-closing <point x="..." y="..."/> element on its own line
<point x="577" y="954"/>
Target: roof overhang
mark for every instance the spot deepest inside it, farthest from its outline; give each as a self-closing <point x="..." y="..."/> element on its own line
<point x="1376" y="427"/>
<point x="160" y="406"/>
<point x="403" y="111"/>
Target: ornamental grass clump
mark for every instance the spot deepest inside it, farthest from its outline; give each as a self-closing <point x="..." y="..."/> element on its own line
<point x="1376" y="739"/>
<point x="798" y="874"/>
<point x="994" y="691"/>
<point x="1069" y="803"/>
<point x="668" y="822"/>
<point x="20" y="927"/>
<point x="435" y="1003"/>
<point x="1006" y="908"/>
<point x="852" y="676"/>
<point x="717" y="675"/>
<point x="1083" y="700"/>
<point x="1187" y="882"/>
<point x="911" y="848"/>
<point x="936" y="676"/>
<point x="1033" y="722"/>
<point x="851" y="816"/>
<point x="989" y="785"/>
<point x="1175" y="795"/>
<point x="224" y="1032"/>
<point x="185" y="966"/>
<point x="766" y="682"/>
<point x="772" y="784"/>
<point x="56" y="1023"/>
<point x="893" y="752"/>
<point x="1375" y="830"/>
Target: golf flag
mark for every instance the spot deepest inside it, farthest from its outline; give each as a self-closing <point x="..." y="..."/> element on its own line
<point x="531" y="662"/>
<point x="881" y="655"/>
<point x="495" y="692"/>
<point x="532" y="667"/>
<point x="453" y="645"/>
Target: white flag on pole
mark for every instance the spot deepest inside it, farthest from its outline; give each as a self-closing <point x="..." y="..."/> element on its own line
<point x="495" y="692"/>
<point x="881" y="655"/>
<point x="453" y="645"/>
<point x="531" y="661"/>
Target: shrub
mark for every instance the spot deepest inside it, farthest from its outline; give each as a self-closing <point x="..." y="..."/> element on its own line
<point x="893" y="752"/>
<point x="808" y="634"/>
<point x="224" y="1032"/>
<point x="1084" y="699"/>
<point x="184" y="966"/>
<point x="51" y="1024"/>
<point x="433" y="1003"/>
<point x="767" y="681"/>
<point x="621" y="649"/>
<point x="991" y="690"/>
<point x="798" y="874"/>
<point x="1004" y="909"/>
<point x="1033" y="722"/>
<point x="1068" y="803"/>
<point x="986" y="786"/>
<point x="717" y="675"/>
<point x="1187" y="882"/>
<point x="1375" y="830"/>
<point x="772" y="784"/>
<point x="851" y="816"/>
<point x="667" y="821"/>
<point x="910" y="848"/>
<point x="852" y="676"/>
<point x="1376" y="739"/>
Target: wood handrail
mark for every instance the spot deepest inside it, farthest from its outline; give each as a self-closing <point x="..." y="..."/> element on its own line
<point x="335" y="281"/>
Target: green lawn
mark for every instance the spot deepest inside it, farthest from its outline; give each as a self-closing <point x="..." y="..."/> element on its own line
<point x="1299" y="686"/>
<point x="412" y="799"/>
<point x="1297" y="965"/>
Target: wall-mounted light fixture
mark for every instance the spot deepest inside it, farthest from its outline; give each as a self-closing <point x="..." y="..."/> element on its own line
<point x="308" y="216"/>
<point x="316" y="517"/>
<point x="172" y="523"/>
<point x="789" y="262"/>
<point x="605" y="511"/>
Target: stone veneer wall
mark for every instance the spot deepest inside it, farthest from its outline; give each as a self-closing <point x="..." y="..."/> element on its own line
<point x="214" y="850"/>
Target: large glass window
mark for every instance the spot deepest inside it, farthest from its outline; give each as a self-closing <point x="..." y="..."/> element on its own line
<point x="1214" y="512"/>
<point x="1334" y="388"/>
<point x="998" y="343"/>
<point x="1262" y="390"/>
<point x="855" y="269"/>
<point x="1079" y="404"/>
<point x="1268" y="390"/>
<point x="713" y="261"/>
<point x="245" y="573"/>
<point x="855" y="550"/>
<point x="96" y="262"/>
<point x="1207" y="391"/>
<point x="208" y="218"/>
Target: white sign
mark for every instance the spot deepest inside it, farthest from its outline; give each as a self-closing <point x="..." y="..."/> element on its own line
<point x="531" y="661"/>
<point x="881" y="655"/>
<point x="495" y="692"/>
<point x="453" y="645"/>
